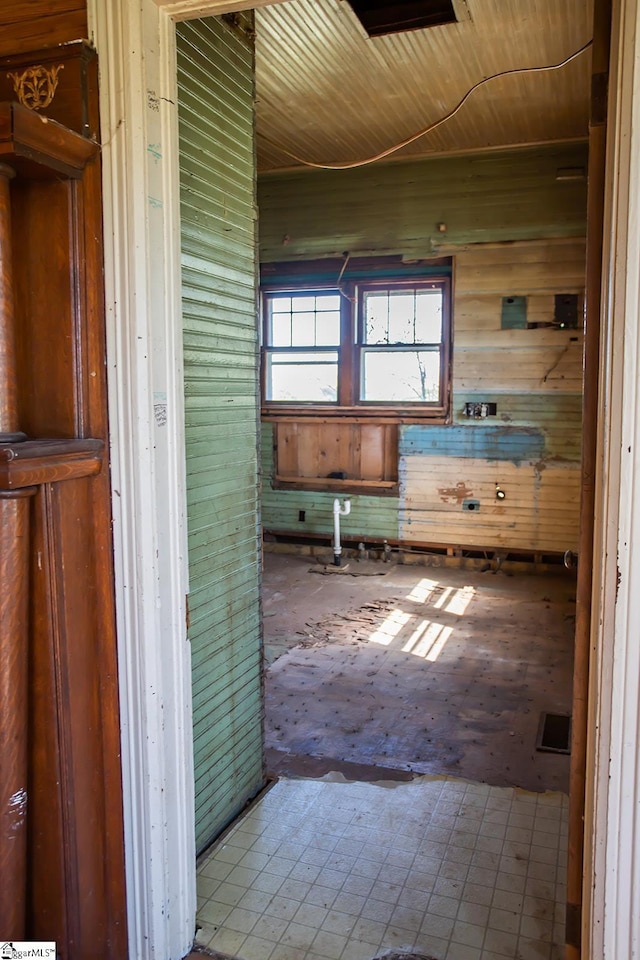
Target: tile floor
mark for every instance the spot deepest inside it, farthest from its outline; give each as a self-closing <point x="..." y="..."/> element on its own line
<point x="331" y="870"/>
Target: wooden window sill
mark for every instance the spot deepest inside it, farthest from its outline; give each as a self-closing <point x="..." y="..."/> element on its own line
<point x="352" y="415"/>
<point x="383" y="488"/>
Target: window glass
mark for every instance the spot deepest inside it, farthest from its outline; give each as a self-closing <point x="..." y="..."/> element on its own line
<point x="403" y="316"/>
<point x="428" y="316"/>
<point x="303" y="329"/>
<point x="281" y="329"/>
<point x="400" y="376"/>
<point x="375" y="342"/>
<point x="328" y="329"/>
<point x="299" y="377"/>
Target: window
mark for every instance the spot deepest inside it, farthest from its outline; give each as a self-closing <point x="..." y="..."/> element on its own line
<point x="303" y="347"/>
<point x="376" y="347"/>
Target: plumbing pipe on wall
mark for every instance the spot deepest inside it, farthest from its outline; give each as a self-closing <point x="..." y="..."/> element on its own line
<point x="337" y="512"/>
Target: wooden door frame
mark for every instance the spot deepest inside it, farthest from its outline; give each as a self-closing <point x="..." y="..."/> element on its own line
<point x="138" y="92"/>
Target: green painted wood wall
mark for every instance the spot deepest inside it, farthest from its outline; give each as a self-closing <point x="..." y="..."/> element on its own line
<point x="218" y="236"/>
<point x="513" y="230"/>
<point x="396" y="207"/>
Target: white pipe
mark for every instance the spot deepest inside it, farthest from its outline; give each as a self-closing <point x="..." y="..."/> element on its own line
<point x="337" y="511"/>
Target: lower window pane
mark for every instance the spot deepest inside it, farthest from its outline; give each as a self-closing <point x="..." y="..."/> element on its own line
<point x="302" y="377"/>
<point x="400" y="376"/>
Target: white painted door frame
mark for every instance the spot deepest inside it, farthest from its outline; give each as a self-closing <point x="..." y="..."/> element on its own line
<point x="611" y="924"/>
<point x="135" y="40"/>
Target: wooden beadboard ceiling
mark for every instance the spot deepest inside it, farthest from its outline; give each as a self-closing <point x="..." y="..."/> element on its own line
<point x="329" y="94"/>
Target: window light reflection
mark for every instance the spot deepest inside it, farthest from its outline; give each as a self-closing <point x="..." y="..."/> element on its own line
<point x="460" y="600"/>
<point x="422" y="590"/>
<point x="390" y="628"/>
<point x="444" y="596"/>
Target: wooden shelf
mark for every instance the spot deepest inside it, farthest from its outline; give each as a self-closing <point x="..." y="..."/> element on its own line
<point x="38" y="148"/>
<point x="324" y="484"/>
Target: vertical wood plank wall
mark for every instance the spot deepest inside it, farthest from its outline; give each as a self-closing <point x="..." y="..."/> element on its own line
<point x="217" y="172"/>
<point x="513" y="229"/>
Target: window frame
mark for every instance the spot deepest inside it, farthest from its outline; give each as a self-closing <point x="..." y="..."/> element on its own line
<point x="312" y="279"/>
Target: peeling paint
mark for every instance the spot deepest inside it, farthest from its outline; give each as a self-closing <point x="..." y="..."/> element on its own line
<point x="457" y="494"/>
<point x="475" y="442"/>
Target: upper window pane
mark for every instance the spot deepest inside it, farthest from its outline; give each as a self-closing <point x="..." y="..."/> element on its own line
<point x="281" y="329"/>
<point x="302" y="304"/>
<point x="280" y="304"/>
<point x="327" y="329"/>
<point x="303" y="329"/>
<point x="303" y="321"/>
<point x="428" y="316"/>
<point x="403" y="316"/>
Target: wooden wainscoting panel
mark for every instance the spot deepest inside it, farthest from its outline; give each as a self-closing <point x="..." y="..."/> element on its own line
<point x="44" y="288"/>
<point x="66" y="658"/>
<point x="46" y="904"/>
<point x="358" y="454"/>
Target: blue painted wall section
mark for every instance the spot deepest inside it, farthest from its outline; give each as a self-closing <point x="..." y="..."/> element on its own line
<point x="475" y="442"/>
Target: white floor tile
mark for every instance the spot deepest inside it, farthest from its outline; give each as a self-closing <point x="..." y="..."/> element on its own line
<point x="337" y="871"/>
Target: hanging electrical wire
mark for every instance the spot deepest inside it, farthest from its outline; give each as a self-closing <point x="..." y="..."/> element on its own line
<point x="341" y="291"/>
<point x="432" y="126"/>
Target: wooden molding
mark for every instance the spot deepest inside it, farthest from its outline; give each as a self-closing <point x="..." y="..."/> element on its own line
<point x="189" y="9"/>
<point x="74" y="71"/>
<point x="39" y="148"/>
<point x="34" y="462"/>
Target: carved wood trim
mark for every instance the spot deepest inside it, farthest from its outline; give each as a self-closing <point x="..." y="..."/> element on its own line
<point x="35" y="87"/>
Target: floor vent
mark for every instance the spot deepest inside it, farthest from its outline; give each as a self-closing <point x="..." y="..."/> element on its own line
<point x="554" y="733"/>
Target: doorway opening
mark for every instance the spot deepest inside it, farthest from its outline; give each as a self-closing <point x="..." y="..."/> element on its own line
<point x="454" y="665"/>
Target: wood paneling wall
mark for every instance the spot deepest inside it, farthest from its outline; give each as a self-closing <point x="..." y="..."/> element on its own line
<point x="217" y="188"/>
<point x="33" y="24"/>
<point x="396" y="207"/>
<point x="75" y="891"/>
<point x="311" y="451"/>
<point x="531" y="448"/>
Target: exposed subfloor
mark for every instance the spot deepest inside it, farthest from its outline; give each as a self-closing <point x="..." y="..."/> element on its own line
<point x="415" y="670"/>
<point x="329" y="870"/>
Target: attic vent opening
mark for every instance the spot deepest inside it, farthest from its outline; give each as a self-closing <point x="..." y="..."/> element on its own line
<point x="380" y="17"/>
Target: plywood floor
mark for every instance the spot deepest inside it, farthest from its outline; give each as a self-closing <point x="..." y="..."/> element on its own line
<point x="416" y="671"/>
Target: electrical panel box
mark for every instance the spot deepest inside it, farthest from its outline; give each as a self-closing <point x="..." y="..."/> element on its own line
<point x="479" y="409"/>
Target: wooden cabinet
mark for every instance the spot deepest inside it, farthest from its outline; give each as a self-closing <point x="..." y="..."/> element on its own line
<point x="61" y="842"/>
